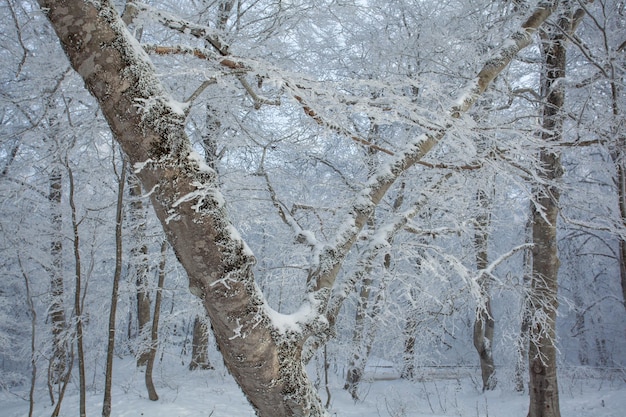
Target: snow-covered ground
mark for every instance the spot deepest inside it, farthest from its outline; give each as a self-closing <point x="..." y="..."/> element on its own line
<point x="214" y="393"/>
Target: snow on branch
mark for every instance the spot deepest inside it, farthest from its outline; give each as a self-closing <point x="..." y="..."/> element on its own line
<point x="384" y="178"/>
<point x="502" y="57"/>
<point x="302" y="236"/>
<point x="210" y="35"/>
<point x="380" y="239"/>
<point x="493" y="265"/>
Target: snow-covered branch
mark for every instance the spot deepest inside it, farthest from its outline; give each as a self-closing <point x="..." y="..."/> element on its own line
<point x="210" y="35"/>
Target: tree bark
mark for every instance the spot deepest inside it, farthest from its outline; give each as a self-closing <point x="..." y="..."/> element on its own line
<point x="358" y="358"/>
<point x="408" y="355"/>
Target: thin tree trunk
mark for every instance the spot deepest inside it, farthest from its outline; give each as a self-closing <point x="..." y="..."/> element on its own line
<point x="78" y="315"/>
<point x="154" y="333"/>
<point x="522" y="340"/>
<point x="64" y="382"/>
<point x="484" y="324"/>
<point x="620" y="164"/>
<point x="106" y="404"/>
<point x="33" y="339"/>
<point x="621" y="189"/>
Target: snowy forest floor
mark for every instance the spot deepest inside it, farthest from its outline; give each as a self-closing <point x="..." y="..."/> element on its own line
<point x="213" y="393"/>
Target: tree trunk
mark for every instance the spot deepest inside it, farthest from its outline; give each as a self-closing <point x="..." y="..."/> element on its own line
<point x="154" y="332"/>
<point x="59" y="358"/>
<point x="358" y="359"/>
<point x="33" y="332"/>
<point x="200" y="346"/>
<point x="522" y="340"/>
<point x="264" y="360"/>
<point x="408" y="356"/>
<point x="139" y="263"/>
<point x="484" y="324"/>
<point x="621" y="190"/>
<point x="78" y="314"/>
<point x="544" y="393"/>
<point x="543" y="387"/>
<point x="106" y="403"/>
<point x="620" y="167"/>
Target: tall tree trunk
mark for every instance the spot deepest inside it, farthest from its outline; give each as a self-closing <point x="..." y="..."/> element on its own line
<point x="484" y="323"/>
<point x="200" y="345"/>
<point x="106" y="403"/>
<point x="543" y="386"/>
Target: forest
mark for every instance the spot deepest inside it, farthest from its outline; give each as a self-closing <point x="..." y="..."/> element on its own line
<point x="312" y="208"/>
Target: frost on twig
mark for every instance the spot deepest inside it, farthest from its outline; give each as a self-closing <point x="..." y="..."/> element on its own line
<point x="210" y="35"/>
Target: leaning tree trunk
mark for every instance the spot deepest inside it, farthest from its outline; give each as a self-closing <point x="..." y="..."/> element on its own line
<point x="264" y="360"/>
